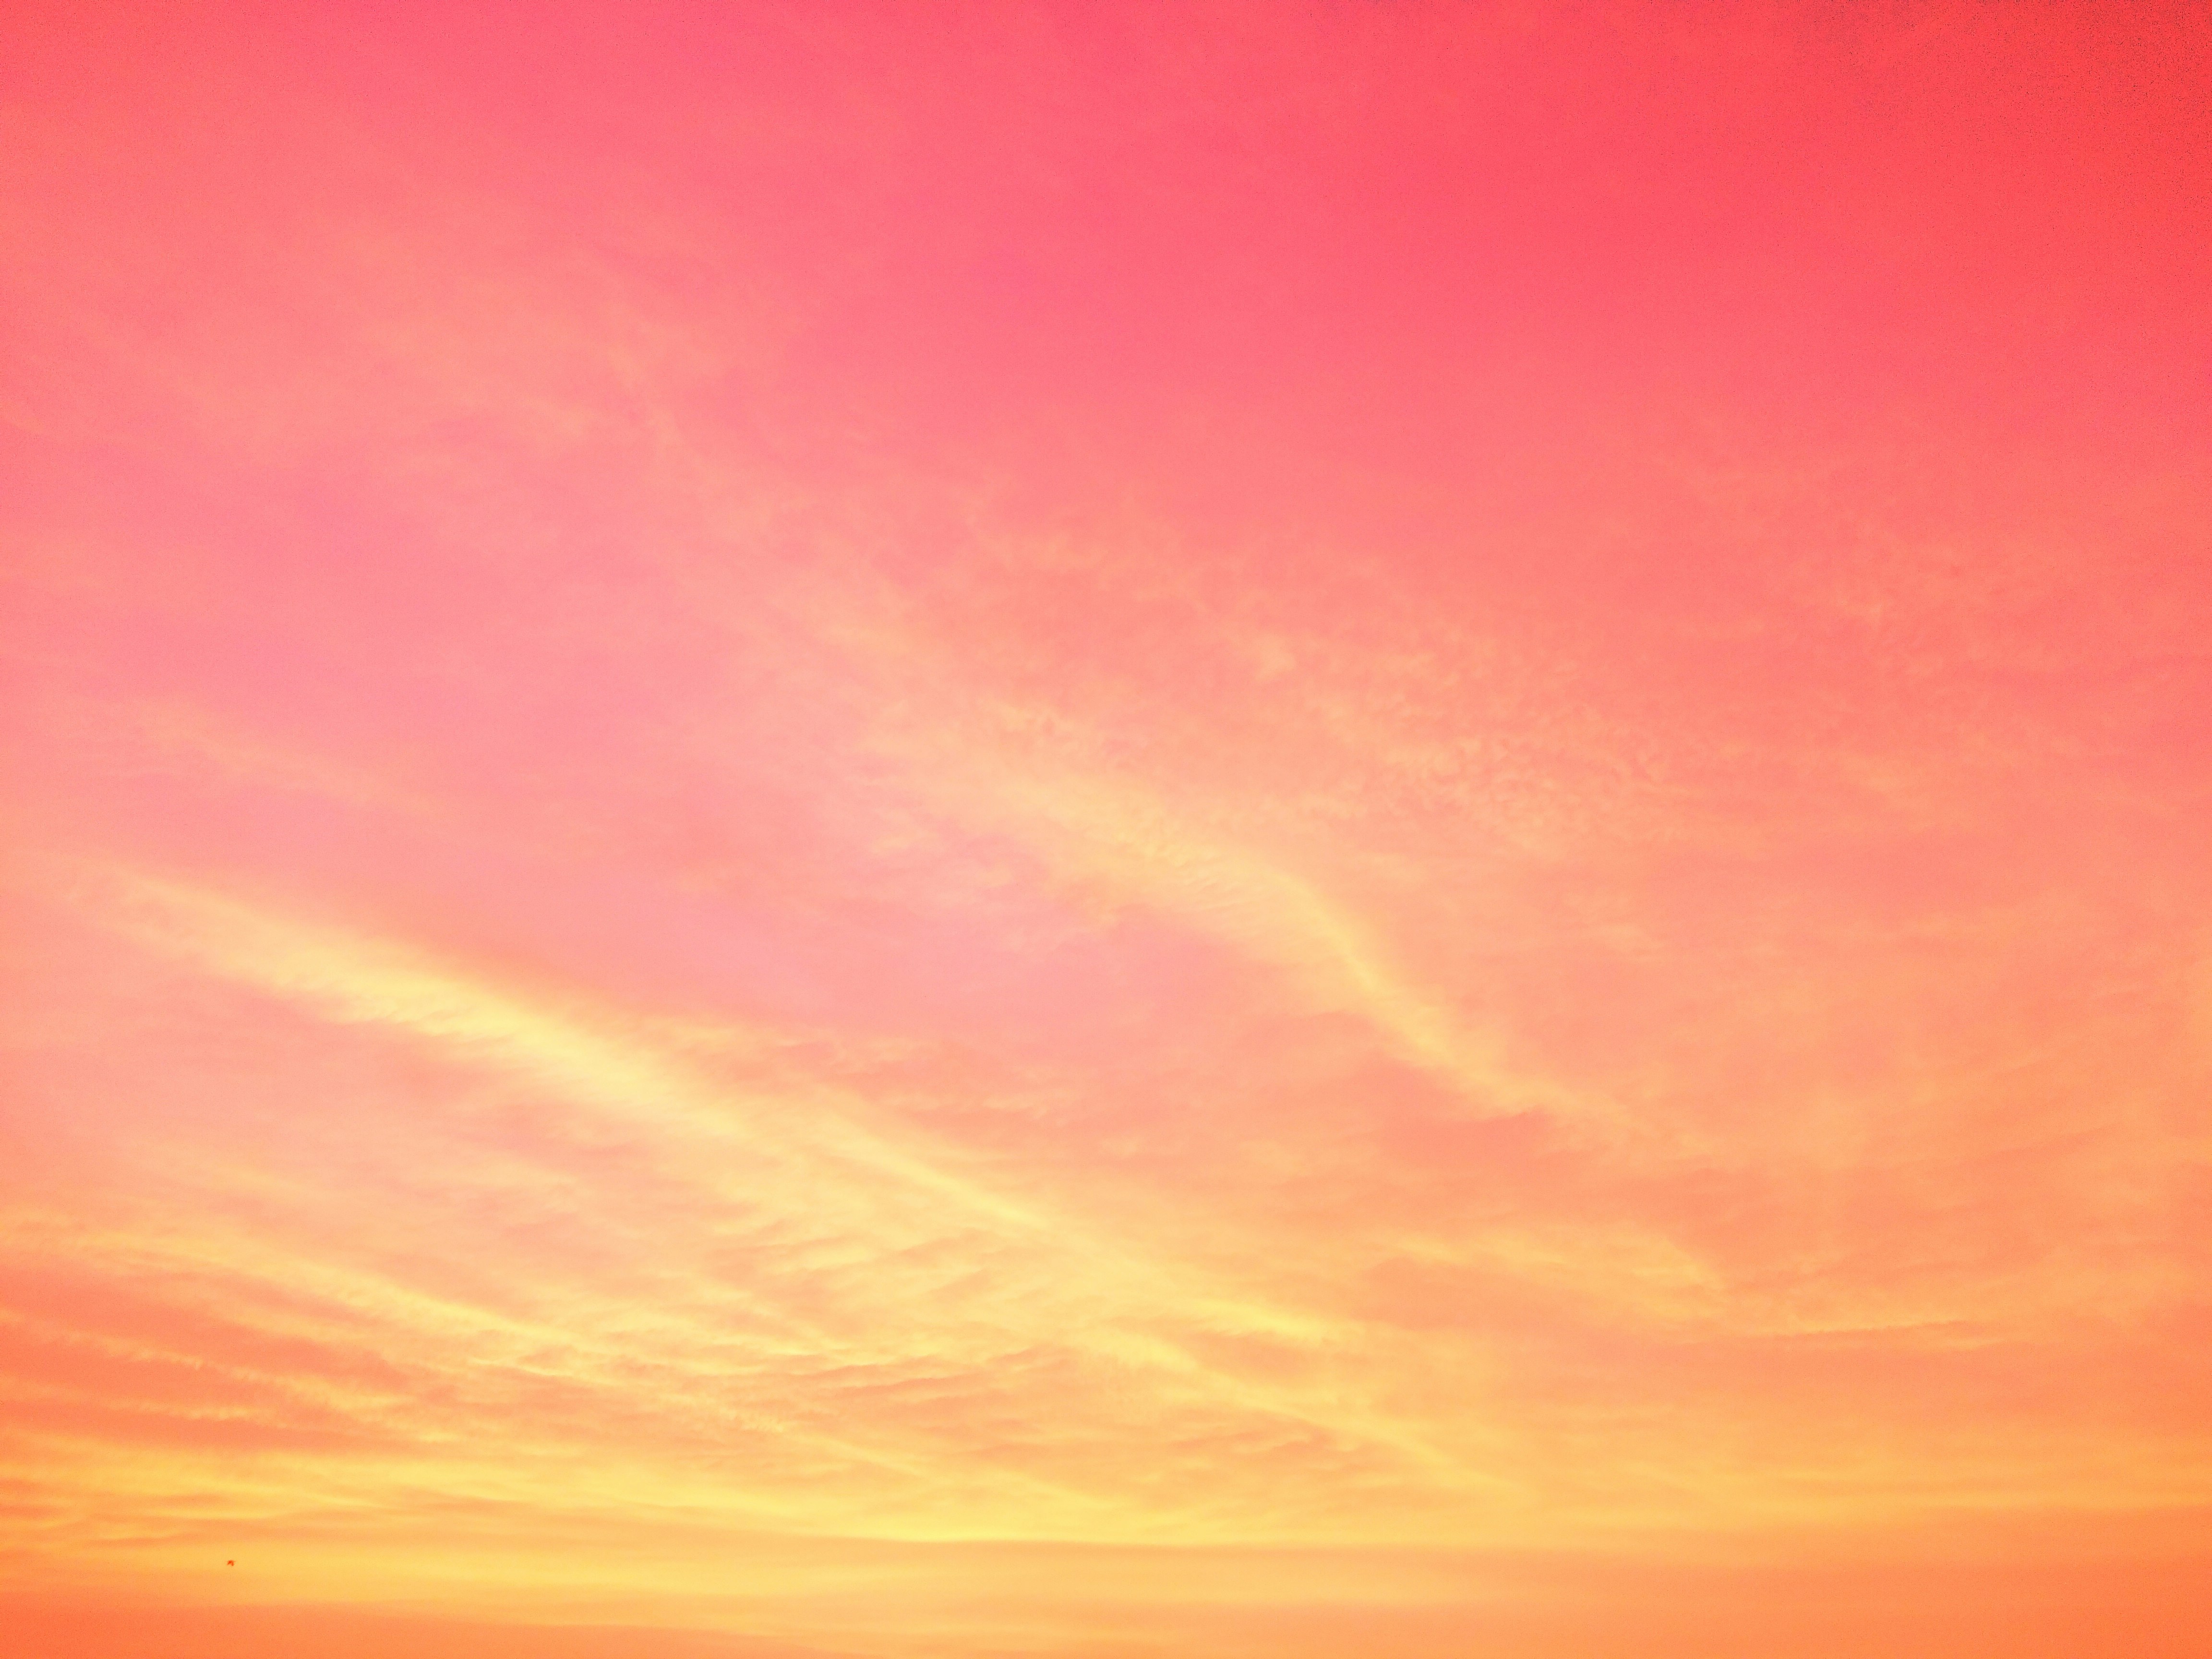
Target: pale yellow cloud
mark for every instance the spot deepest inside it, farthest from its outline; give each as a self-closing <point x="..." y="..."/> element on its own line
<point x="949" y="1271"/>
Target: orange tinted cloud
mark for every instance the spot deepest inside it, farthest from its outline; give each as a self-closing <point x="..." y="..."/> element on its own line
<point x="901" y="832"/>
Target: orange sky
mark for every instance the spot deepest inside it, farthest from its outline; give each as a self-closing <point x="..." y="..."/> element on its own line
<point x="1310" y="830"/>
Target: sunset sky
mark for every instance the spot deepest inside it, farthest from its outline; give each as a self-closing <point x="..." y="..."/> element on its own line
<point x="1277" y="829"/>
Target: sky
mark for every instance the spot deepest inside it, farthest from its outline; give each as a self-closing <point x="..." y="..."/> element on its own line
<point x="1324" y="829"/>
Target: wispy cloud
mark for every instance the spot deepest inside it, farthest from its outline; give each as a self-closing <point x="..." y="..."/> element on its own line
<point x="960" y="834"/>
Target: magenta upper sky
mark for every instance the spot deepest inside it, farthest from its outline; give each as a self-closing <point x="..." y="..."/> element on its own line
<point x="1356" y="829"/>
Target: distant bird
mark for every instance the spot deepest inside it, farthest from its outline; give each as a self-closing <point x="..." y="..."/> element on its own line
<point x="230" y="1563"/>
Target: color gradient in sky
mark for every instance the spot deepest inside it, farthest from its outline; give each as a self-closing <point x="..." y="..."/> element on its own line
<point x="1263" y="830"/>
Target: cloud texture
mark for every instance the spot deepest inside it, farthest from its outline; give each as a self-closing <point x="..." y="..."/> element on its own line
<point x="905" y="831"/>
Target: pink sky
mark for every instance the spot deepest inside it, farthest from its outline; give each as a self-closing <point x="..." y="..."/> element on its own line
<point x="1366" y="830"/>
